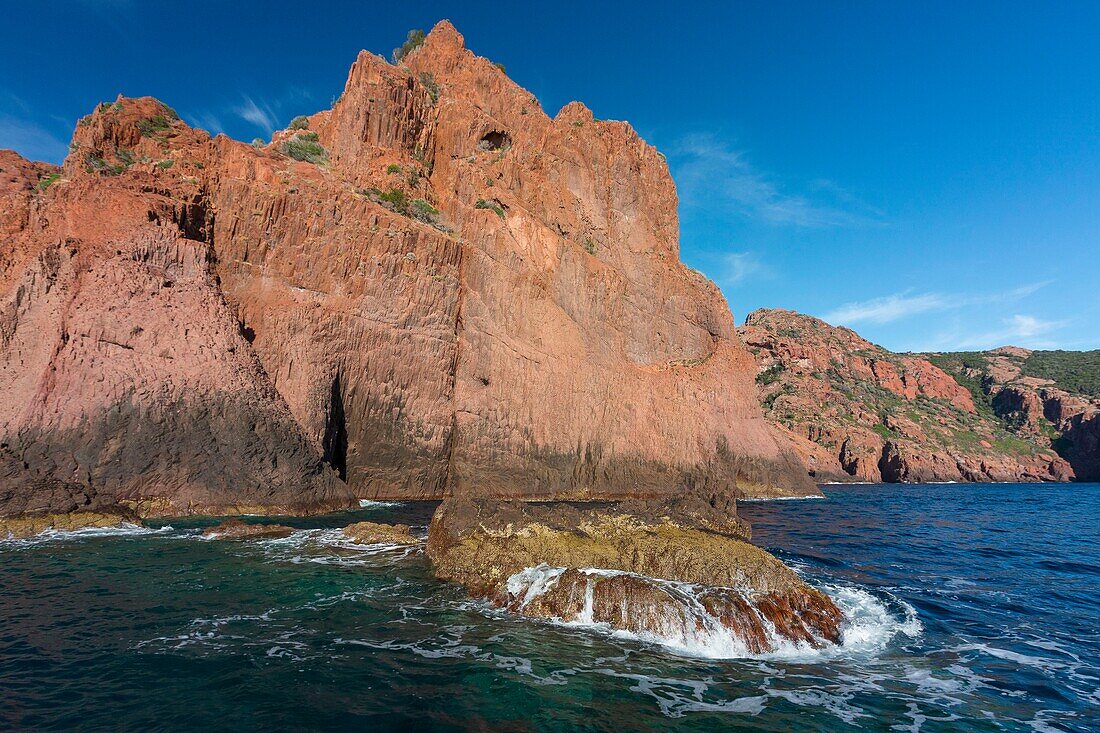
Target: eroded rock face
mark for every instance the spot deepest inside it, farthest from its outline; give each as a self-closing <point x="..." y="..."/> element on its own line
<point x="235" y="529"/>
<point x="639" y="570"/>
<point x="434" y="289"/>
<point x="855" y="411"/>
<point x="124" y="376"/>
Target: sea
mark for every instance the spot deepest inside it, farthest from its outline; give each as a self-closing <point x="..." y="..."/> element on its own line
<point x="968" y="608"/>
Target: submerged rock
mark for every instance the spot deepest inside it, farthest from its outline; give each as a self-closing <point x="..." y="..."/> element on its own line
<point x="235" y="529"/>
<point x="661" y="575"/>
<point x="30" y="525"/>
<point x="373" y="533"/>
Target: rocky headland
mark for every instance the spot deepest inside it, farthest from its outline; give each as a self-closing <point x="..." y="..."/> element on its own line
<point x="855" y="411"/>
<point x="433" y="289"/>
<point x="429" y="287"/>
<point x="1044" y="397"/>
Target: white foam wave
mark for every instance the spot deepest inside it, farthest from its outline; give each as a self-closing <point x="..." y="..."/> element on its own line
<point x="868" y="626"/>
<point x="753" y="499"/>
<point x="452" y="646"/>
<point x="676" y="697"/>
<point x="1044" y="664"/>
<point x="125" y="529"/>
<point x="272" y="632"/>
<point x="374" y="504"/>
<point x="331" y="547"/>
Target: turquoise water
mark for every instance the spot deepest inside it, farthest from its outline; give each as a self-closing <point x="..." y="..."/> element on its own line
<point x="976" y="609"/>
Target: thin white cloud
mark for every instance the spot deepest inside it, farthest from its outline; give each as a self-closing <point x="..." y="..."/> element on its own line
<point x="34" y="138"/>
<point x="207" y="121"/>
<point x="271" y="113"/>
<point x="710" y="173"/>
<point x="889" y="308"/>
<point x="896" y="307"/>
<point x="741" y="265"/>
<point x="1017" y="330"/>
<point x="30" y="140"/>
<point x="261" y="115"/>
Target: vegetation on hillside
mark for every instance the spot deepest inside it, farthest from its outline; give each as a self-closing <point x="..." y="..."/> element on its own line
<point x="1073" y="371"/>
<point x="967" y="367"/>
<point x="305" y="147"/>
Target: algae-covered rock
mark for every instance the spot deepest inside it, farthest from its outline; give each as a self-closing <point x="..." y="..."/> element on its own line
<point x="373" y="533"/>
<point x="235" y="529"/>
<point x="29" y="525"/>
<point x="612" y="564"/>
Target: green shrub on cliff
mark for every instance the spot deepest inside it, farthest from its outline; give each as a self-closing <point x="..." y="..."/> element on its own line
<point x="424" y="211"/>
<point x="413" y="41"/>
<point x="95" y="164"/>
<point x="491" y="206"/>
<point x="305" y="147"/>
<point x="301" y="122"/>
<point x="152" y="125"/>
<point x="429" y="83"/>
<point x="770" y="375"/>
<point x="769" y="401"/>
<point x="397" y="201"/>
<point x="47" y="181"/>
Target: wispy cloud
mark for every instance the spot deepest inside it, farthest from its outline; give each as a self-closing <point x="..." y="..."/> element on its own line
<point x="208" y="121"/>
<point x="710" y="172"/>
<point x="1016" y="330"/>
<point x="259" y="114"/>
<point x="31" y="140"/>
<point x="741" y="265"/>
<point x="269" y="113"/>
<point x="888" y="308"/>
<point x="37" y="138"/>
<point x="898" y="306"/>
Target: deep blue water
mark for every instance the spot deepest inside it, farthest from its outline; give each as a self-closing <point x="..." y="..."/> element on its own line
<point x="979" y="611"/>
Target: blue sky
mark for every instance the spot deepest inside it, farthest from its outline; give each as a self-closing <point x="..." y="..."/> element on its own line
<point x="928" y="174"/>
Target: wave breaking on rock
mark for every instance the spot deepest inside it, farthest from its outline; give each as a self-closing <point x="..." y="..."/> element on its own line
<point x="700" y="621"/>
<point x="671" y="572"/>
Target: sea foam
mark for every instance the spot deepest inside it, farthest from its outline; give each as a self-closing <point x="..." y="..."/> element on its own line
<point x="868" y="626"/>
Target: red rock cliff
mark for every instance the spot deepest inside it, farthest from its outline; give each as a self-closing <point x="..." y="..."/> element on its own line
<point x="432" y="288"/>
<point x="855" y="411"/>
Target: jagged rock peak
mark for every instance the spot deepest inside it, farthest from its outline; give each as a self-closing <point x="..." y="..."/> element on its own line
<point x="444" y="35"/>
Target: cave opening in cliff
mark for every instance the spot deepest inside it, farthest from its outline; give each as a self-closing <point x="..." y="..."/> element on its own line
<point x="494" y="140"/>
<point x="336" y="432"/>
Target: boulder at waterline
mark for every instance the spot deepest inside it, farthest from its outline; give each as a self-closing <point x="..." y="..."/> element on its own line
<point x="235" y="529"/>
<point x="28" y="525"/>
<point x="374" y="533"/>
<point x="656" y="575"/>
